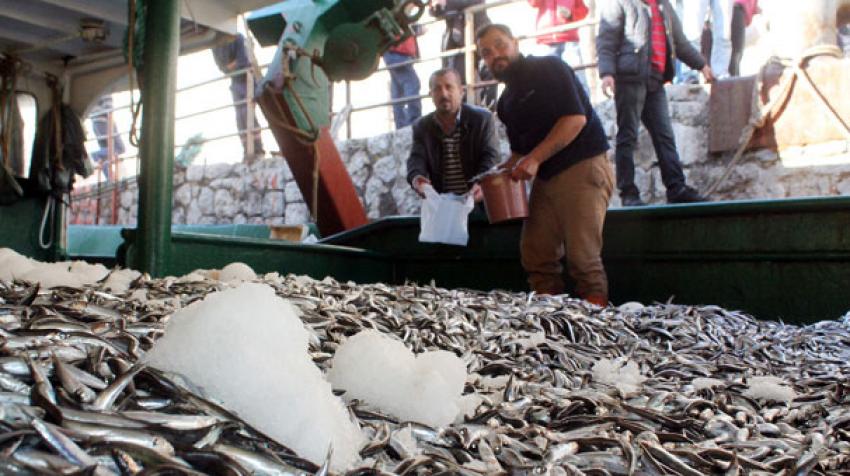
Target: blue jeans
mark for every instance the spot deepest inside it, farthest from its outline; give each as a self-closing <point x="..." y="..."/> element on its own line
<point x="693" y="20"/>
<point x="403" y="83"/>
<point x="638" y="102"/>
<point x="239" y="92"/>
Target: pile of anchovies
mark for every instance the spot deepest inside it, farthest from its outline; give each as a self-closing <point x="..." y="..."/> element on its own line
<point x="75" y="397"/>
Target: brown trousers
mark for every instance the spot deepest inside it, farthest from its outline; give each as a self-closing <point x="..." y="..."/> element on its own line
<point x="567" y="212"/>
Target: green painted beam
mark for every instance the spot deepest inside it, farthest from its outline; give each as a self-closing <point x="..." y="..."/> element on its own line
<point x="779" y="259"/>
<point x="191" y="251"/>
<point x="159" y="78"/>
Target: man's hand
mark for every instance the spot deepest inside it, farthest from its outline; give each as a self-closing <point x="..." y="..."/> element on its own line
<point x="525" y="169"/>
<point x="565" y="13"/>
<point x="477" y="193"/>
<point x="707" y="74"/>
<point x="510" y="163"/>
<point x="608" y="86"/>
<point x="419" y="183"/>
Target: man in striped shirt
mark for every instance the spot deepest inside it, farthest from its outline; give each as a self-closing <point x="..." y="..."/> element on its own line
<point x="454" y="143"/>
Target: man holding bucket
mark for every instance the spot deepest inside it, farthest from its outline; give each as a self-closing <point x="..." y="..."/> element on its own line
<point x="454" y="143"/>
<point x="557" y="140"/>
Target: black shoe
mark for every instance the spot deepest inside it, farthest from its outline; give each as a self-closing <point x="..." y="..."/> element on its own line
<point x="632" y="200"/>
<point x="687" y="195"/>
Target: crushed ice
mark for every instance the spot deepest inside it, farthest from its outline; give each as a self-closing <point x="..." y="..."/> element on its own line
<point x="382" y="372"/>
<point x="247" y="348"/>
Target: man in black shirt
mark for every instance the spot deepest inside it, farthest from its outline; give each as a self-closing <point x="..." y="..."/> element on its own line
<point x="557" y="140"/>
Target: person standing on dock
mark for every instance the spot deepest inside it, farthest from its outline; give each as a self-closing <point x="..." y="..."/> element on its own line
<point x="563" y="44"/>
<point x="232" y="58"/>
<point x="454" y="143"/>
<point x="404" y="82"/>
<point x="557" y="140"/>
<point x="636" y="45"/>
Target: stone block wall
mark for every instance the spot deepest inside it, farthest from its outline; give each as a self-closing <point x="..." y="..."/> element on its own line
<point x="265" y="192"/>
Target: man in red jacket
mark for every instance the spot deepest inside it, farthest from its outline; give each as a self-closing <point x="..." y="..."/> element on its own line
<point x="565" y="44"/>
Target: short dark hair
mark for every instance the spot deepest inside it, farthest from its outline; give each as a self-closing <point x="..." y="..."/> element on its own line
<point x="493" y="26"/>
<point x="444" y="72"/>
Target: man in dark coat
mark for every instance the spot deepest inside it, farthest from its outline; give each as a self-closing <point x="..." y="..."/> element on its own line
<point x="636" y="44"/>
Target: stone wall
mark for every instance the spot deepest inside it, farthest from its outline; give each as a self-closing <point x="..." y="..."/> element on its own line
<point x="265" y="193"/>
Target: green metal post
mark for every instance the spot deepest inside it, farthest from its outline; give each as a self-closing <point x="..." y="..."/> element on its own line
<point x="159" y="78"/>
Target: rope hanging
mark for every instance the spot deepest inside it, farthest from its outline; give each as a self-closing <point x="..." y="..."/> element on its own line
<point x="760" y="113"/>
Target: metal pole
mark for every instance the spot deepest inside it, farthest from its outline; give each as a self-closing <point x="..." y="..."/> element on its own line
<point x="469" y="56"/>
<point x="162" y="41"/>
<point x="110" y="150"/>
<point x="249" y="116"/>
<point x="348" y="103"/>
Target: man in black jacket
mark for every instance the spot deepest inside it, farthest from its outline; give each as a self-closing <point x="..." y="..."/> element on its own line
<point x="636" y="44"/>
<point x="452" y="144"/>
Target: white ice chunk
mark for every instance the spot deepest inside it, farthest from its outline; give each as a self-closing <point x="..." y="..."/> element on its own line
<point x="304" y="280"/>
<point x="468" y="404"/>
<point x="621" y="373"/>
<point x="494" y="383"/>
<point x="140" y="295"/>
<point x="246" y="348"/>
<point x="196" y="276"/>
<point x="13" y="265"/>
<point x="119" y="280"/>
<point x="532" y="340"/>
<point x="405" y="443"/>
<point x="88" y="273"/>
<point x="237" y="272"/>
<point x="48" y="275"/>
<point x="631" y="306"/>
<point x="382" y="372"/>
<point x="769" y="388"/>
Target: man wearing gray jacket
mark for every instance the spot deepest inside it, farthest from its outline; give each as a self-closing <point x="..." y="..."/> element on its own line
<point x="637" y="43"/>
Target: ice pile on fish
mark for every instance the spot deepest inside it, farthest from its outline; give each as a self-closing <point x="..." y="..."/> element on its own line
<point x="246" y="348"/>
<point x="713" y="391"/>
<point x="384" y="374"/>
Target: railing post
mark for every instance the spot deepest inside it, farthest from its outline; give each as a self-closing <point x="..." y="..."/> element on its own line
<point x="587" y="44"/>
<point x="113" y="167"/>
<point x="469" y="56"/>
<point x="348" y="103"/>
<point x="249" y="114"/>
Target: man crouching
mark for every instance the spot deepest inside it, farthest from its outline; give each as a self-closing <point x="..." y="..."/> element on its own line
<point x="557" y="140"/>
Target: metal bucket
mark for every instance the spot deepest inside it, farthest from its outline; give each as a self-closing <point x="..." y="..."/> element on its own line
<point x="504" y="198"/>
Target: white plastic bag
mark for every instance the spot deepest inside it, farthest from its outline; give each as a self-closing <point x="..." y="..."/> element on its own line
<point x="443" y="218"/>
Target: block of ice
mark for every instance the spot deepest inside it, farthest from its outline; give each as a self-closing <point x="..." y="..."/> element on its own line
<point x="237" y="272"/>
<point x="13" y="265"/>
<point x="66" y="273"/>
<point x="769" y="388"/>
<point x="620" y="372"/>
<point x="385" y="374"/>
<point x="119" y="280"/>
<point x="246" y="348"/>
